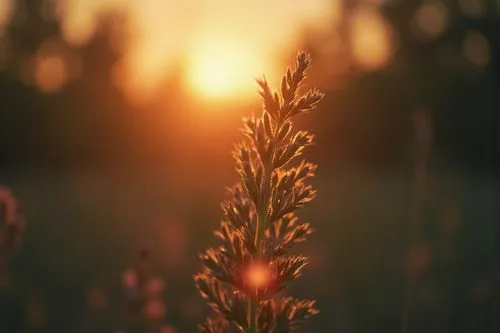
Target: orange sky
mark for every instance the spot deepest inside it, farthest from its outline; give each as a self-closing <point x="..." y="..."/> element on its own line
<point x="225" y="43"/>
<point x="228" y="42"/>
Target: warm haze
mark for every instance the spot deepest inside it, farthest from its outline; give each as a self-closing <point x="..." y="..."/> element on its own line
<point x="227" y="42"/>
<point x="223" y="43"/>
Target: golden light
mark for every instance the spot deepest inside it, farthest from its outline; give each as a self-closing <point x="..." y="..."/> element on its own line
<point x="79" y="18"/>
<point x="213" y="76"/>
<point x="79" y="29"/>
<point x="6" y="7"/>
<point x="51" y="73"/>
<point x="372" y="39"/>
<point x="53" y="66"/>
<point x="218" y="66"/>
<point x="223" y="70"/>
<point x="258" y="275"/>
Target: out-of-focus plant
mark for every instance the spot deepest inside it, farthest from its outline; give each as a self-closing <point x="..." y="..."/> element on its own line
<point x="241" y="277"/>
<point x="11" y="233"/>
<point x="145" y="309"/>
<point x="12" y="225"/>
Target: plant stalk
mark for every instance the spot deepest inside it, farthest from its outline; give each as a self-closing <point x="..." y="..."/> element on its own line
<point x="253" y="316"/>
<point x="262" y="214"/>
<point x="261" y="227"/>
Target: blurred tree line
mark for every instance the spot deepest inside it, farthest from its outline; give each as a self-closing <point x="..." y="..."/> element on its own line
<point x="75" y="114"/>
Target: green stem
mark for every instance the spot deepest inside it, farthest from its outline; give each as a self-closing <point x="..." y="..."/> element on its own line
<point x="266" y="190"/>
<point x="253" y="316"/>
<point x="261" y="228"/>
<point x="262" y="213"/>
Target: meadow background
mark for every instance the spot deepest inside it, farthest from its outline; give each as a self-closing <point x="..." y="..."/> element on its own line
<point x="117" y="118"/>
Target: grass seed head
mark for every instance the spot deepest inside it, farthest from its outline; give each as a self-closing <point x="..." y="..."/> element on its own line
<point x="241" y="277"/>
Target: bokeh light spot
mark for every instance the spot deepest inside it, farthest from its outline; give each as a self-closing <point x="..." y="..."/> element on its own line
<point x="373" y="42"/>
<point x="6" y="9"/>
<point x="130" y="279"/>
<point x="50" y="73"/>
<point x="53" y="66"/>
<point x="258" y="275"/>
<point x="476" y="48"/>
<point x="431" y="19"/>
<point x="78" y="20"/>
<point x="155" y="286"/>
<point x="155" y="309"/>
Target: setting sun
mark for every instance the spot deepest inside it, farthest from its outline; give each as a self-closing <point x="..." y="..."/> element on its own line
<point x="214" y="76"/>
<point x="222" y="71"/>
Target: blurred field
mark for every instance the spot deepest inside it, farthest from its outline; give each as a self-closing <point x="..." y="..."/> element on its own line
<point x="91" y="223"/>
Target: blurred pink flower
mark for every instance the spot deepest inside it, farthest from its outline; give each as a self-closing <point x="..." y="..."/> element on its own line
<point x="8" y="207"/>
<point x="130" y="279"/>
<point x="155" y="309"/>
<point x="155" y="286"/>
<point x="11" y="223"/>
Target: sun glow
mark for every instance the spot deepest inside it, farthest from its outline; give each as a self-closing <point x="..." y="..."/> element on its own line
<point x="223" y="44"/>
<point x="223" y="70"/>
